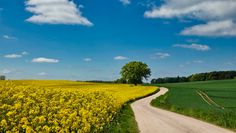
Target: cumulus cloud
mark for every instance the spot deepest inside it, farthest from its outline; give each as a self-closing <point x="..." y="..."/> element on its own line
<point x="125" y="2"/>
<point x="198" y="47"/>
<point x="160" y="55"/>
<point x="87" y="59"/>
<point x="121" y="58"/>
<point x="9" y="37"/>
<point x="13" y="56"/>
<point x="200" y="9"/>
<point x="219" y="13"/>
<point x="44" y="60"/>
<point x="215" y="28"/>
<point x="55" y="12"/>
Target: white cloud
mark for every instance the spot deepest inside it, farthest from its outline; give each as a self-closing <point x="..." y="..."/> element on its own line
<point x="219" y="13"/>
<point x="6" y="71"/>
<point x="55" y="12"/>
<point x="199" y="47"/>
<point x="44" y="60"/>
<point x="9" y="37"/>
<point x="42" y="73"/>
<point x="125" y="2"/>
<point x="215" y="28"/>
<point x="87" y="59"/>
<point x="13" y="56"/>
<point x="200" y="9"/>
<point x="121" y="58"/>
<point x="160" y="56"/>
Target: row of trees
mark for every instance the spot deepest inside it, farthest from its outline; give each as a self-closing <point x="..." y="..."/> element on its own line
<point x="220" y="75"/>
<point x="135" y="72"/>
<point x="2" y="77"/>
<point x="169" y="80"/>
<point x="216" y="75"/>
<point x="99" y="81"/>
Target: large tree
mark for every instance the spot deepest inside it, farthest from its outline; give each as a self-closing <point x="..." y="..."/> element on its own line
<point x="134" y="72"/>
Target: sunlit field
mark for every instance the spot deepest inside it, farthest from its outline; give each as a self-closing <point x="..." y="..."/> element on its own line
<point x="63" y="106"/>
<point x="218" y="105"/>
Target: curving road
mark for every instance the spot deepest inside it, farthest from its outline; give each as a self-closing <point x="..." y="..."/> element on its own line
<point x="154" y="120"/>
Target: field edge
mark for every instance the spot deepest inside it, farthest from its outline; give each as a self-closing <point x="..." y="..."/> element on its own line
<point x="125" y="120"/>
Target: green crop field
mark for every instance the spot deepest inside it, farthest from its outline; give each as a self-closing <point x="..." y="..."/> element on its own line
<point x="212" y="101"/>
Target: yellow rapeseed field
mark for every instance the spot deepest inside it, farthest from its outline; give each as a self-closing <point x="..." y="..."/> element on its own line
<point x="62" y="106"/>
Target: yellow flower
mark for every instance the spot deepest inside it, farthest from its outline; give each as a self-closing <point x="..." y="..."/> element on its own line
<point x="42" y="119"/>
<point x="11" y="113"/>
<point x="28" y="129"/>
<point x="46" y="128"/>
<point x="17" y="106"/>
<point x="63" y="106"/>
<point x="24" y="121"/>
<point x="4" y="123"/>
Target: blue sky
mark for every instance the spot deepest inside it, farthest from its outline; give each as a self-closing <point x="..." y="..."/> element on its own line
<point x="92" y="40"/>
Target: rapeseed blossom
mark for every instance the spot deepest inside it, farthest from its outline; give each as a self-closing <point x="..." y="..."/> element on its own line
<point x="62" y="106"/>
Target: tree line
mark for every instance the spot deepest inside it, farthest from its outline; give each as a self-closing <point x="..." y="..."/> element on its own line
<point x="135" y="72"/>
<point x="2" y="77"/>
<point x="215" y="75"/>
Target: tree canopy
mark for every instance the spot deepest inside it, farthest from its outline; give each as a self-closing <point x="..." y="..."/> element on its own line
<point x="134" y="72"/>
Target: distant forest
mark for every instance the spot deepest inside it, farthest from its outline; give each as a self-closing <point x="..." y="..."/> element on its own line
<point x="216" y="75"/>
<point x="2" y="77"/>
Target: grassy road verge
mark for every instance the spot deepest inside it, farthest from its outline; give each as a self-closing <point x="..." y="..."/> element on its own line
<point x="125" y="121"/>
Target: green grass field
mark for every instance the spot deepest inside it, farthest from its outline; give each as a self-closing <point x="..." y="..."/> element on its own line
<point x="216" y="105"/>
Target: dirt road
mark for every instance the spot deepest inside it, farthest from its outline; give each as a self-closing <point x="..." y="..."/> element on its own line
<point x="154" y="120"/>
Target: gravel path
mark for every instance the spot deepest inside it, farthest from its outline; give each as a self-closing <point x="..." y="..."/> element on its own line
<point x="154" y="120"/>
